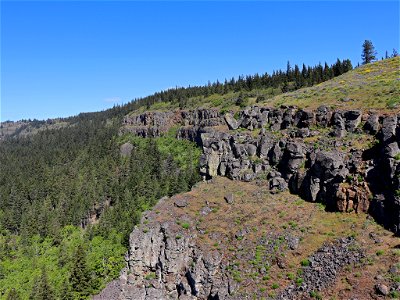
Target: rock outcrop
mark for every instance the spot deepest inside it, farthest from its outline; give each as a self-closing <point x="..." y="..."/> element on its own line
<point x="162" y="265"/>
<point x="322" y="268"/>
<point x="262" y="142"/>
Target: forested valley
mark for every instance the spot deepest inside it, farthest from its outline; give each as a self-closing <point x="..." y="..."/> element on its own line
<point x="69" y="199"/>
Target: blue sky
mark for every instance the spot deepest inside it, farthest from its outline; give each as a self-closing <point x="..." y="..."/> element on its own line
<point x="61" y="58"/>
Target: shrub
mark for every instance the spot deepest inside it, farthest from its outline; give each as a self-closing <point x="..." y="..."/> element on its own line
<point x="299" y="281"/>
<point x="305" y="262"/>
<point x="185" y="225"/>
<point x="380" y="252"/>
<point x="150" y="276"/>
<point x="393" y="103"/>
<point x="241" y="101"/>
<point x="290" y="276"/>
<point x="260" y="99"/>
<point x="275" y="286"/>
<point x="395" y="294"/>
<point x="315" y="295"/>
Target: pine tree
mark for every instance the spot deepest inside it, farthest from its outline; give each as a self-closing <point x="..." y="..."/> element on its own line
<point x="368" y="52"/>
<point x="80" y="277"/>
<point x="66" y="293"/>
<point x="41" y="288"/>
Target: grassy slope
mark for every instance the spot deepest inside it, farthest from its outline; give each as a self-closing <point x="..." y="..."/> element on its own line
<point x="372" y="86"/>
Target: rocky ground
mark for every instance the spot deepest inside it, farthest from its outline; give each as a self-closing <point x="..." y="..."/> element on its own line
<point x="237" y="240"/>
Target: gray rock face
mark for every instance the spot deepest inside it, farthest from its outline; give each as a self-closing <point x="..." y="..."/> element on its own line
<point x="313" y="174"/>
<point x="154" y="124"/>
<point x="389" y="129"/>
<point x="323" y="178"/>
<point x="385" y="176"/>
<point x="163" y="266"/>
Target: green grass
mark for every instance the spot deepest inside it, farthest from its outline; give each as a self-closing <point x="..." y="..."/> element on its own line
<point x="150" y="276"/>
<point x="275" y="286"/>
<point x="305" y="262"/>
<point x="373" y="85"/>
<point x="299" y="281"/>
<point x="185" y="225"/>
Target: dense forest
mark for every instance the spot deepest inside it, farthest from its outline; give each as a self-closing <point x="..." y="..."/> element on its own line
<point x="68" y="199"/>
<point x="53" y="188"/>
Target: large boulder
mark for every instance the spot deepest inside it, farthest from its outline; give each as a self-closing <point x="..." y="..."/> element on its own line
<point x="323" y="116"/>
<point x="231" y="121"/>
<point x="275" y="119"/>
<point x="352" y="119"/>
<point x="304" y="119"/>
<point x="322" y="180"/>
<point x="372" y="125"/>
<point x="388" y="132"/>
<point x="338" y="124"/>
<point x="293" y="157"/>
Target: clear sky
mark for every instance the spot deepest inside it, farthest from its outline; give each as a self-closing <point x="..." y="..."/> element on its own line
<point x="61" y="58"/>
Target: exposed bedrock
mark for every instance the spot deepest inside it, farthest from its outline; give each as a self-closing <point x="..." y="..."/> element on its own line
<point x="162" y="265"/>
<point x="305" y="151"/>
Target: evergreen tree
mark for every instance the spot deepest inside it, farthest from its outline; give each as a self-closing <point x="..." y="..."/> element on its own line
<point x="368" y="53"/>
<point x="41" y="288"/>
<point x="80" y="277"/>
<point x="66" y="293"/>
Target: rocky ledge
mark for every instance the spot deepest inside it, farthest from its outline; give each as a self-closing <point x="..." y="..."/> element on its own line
<point x="236" y="240"/>
<point x="348" y="160"/>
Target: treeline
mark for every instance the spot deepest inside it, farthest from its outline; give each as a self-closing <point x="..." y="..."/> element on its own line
<point x="286" y="80"/>
<point x="293" y="78"/>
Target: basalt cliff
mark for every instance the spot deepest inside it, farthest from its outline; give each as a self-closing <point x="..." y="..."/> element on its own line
<point x="346" y="159"/>
<point x="259" y="162"/>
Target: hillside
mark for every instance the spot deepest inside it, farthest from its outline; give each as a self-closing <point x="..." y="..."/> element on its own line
<point x="372" y="86"/>
<point x="235" y="240"/>
<point x="287" y="177"/>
